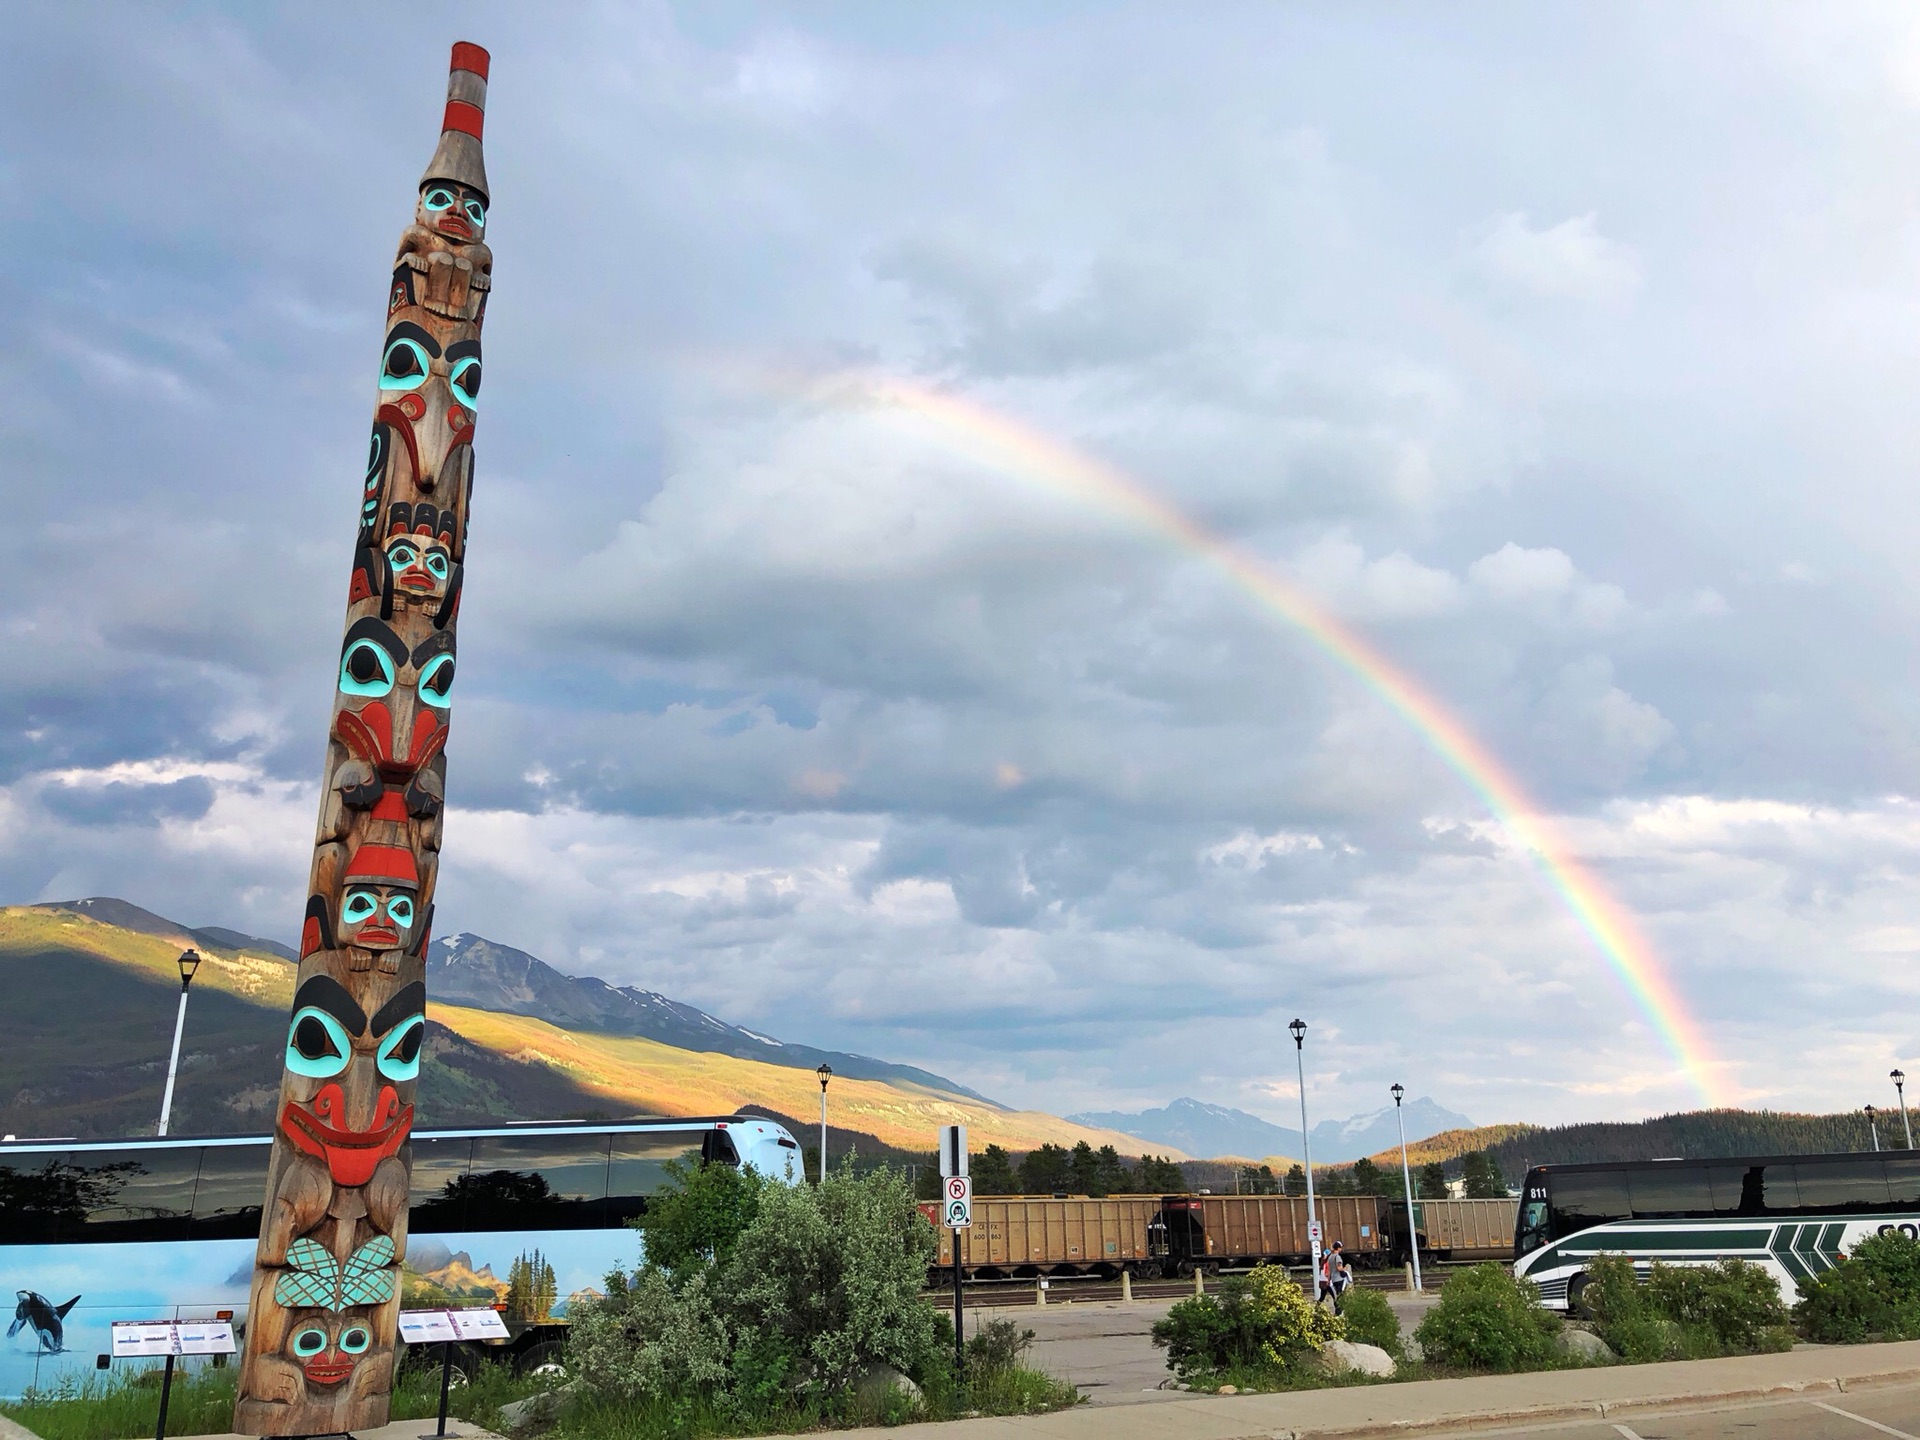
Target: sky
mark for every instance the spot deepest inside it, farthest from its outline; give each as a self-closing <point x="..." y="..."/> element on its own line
<point x="1567" y="355"/>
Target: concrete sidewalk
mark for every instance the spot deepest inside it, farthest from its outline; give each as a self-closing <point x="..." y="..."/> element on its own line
<point x="1421" y="1406"/>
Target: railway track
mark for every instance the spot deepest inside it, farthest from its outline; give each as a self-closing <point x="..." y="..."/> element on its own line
<point x="1091" y="1289"/>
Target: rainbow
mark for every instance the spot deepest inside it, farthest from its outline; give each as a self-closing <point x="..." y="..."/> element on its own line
<point x="1021" y="451"/>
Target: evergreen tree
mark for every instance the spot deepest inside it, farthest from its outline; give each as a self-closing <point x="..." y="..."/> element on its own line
<point x="1296" y="1181"/>
<point x="1083" y="1171"/>
<point x="992" y="1171"/>
<point x="1368" y="1178"/>
<point x="1114" y="1176"/>
<point x="1431" y="1183"/>
<point x="1258" y="1180"/>
<point x="1482" y="1176"/>
<point x="1160" y="1176"/>
<point x="1046" y="1171"/>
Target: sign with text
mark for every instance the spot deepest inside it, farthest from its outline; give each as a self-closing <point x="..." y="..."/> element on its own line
<point x="957" y="1194"/>
<point x="436" y="1327"/>
<point x="134" y="1338"/>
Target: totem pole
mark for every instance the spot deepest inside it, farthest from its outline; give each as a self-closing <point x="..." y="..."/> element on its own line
<point x="321" y="1331"/>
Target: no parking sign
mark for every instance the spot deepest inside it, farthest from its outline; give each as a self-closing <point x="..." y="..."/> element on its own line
<point x="958" y="1209"/>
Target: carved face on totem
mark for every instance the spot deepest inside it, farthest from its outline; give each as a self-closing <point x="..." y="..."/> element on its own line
<point x="396" y="699"/>
<point x="428" y="396"/>
<point x="349" y="1066"/>
<point x="456" y="211"/>
<point x="327" y="1347"/>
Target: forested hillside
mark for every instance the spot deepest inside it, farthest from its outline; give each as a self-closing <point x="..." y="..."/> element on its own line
<point x="1696" y="1134"/>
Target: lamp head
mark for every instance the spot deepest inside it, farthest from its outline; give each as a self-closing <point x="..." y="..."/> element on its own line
<point x="1899" y="1076"/>
<point x="189" y="962"/>
<point x="1869" y="1112"/>
<point x="825" y="1072"/>
<point x="1398" y="1091"/>
<point x="1299" y="1031"/>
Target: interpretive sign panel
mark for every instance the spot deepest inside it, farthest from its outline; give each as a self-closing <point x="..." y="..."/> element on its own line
<point x="134" y="1338"/>
<point x="433" y="1327"/>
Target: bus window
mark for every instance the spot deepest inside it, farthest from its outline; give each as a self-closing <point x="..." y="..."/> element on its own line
<point x="536" y="1181"/>
<point x="46" y="1198"/>
<point x="438" y="1203"/>
<point x="1753" y="1189"/>
<point x="1591" y="1198"/>
<point x="233" y="1186"/>
<point x="1840" y="1185"/>
<point x="138" y="1194"/>
<point x="1903" y="1182"/>
<point x="1666" y="1192"/>
<point x="638" y="1167"/>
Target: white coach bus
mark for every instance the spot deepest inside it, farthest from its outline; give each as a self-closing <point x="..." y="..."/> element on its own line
<point x="1796" y="1215"/>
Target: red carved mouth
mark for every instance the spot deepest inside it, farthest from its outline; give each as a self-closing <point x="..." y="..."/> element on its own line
<point x="351" y="1155"/>
<point x="416" y="580"/>
<point x="455" y="225"/>
<point x="328" y="1370"/>
<point x="377" y="937"/>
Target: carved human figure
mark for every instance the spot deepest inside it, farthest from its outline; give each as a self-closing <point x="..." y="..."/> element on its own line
<point x="322" y="1327"/>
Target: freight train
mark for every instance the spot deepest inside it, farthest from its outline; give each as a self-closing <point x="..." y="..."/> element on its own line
<point x="1021" y="1236"/>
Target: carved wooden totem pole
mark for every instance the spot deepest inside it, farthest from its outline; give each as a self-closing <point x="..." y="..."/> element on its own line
<point x="326" y="1282"/>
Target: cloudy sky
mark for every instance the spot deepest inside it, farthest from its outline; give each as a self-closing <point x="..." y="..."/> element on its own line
<point x="1568" y="354"/>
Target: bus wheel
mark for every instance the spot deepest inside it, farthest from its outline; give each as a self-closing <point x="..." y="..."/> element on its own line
<point x="1576" y="1298"/>
<point x="549" y="1357"/>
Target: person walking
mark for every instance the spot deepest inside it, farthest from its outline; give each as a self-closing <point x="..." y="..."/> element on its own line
<point x="1335" y="1276"/>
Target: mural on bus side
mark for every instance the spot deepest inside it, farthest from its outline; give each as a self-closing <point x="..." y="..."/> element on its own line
<point x="537" y="1276"/>
<point x="325" y="1292"/>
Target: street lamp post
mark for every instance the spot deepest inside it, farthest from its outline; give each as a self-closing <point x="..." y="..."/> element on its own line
<point x="189" y="962"/>
<point x="1900" y="1084"/>
<point x="1298" y="1028"/>
<point x="1873" y="1129"/>
<point x="1406" y="1176"/>
<point x="825" y="1072"/>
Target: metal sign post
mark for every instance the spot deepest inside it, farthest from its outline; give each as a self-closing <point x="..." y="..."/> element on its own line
<point x="134" y="1338"/>
<point x="956" y="1192"/>
<point x="425" y="1327"/>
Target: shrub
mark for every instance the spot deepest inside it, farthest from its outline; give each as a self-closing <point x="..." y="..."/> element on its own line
<point x="1260" y="1319"/>
<point x="1370" y="1320"/>
<point x="1872" y="1294"/>
<point x="1686" y="1312"/>
<point x="649" y="1337"/>
<point x="995" y="1346"/>
<point x="698" y="1215"/>
<point x="1488" y="1320"/>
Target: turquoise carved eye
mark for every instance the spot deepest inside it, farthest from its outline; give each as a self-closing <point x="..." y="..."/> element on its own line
<point x="476" y="212"/>
<point x="438" y="565"/>
<point x="400" y="909"/>
<point x="438" y="198"/>
<point x="436" y="682"/>
<point x="466" y="381"/>
<point x="401" y="554"/>
<point x="360" y="906"/>
<point x="318" y="1046"/>
<point x="355" y="1339"/>
<point x="366" y="669"/>
<point x="405" y="365"/>
<point x="309" y="1342"/>
<point x="399" y="1054"/>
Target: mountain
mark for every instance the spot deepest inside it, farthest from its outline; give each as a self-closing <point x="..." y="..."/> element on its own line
<point x="468" y="970"/>
<point x="88" y="1023"/>
<point x="128" y="916"/>
<point x="1202" y="1129"/>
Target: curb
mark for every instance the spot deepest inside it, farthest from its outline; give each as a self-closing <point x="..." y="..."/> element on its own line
<point x="1598" y="1409"/>
<point x="11" y="1429"/>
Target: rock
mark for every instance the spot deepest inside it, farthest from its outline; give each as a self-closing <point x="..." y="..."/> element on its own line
<point x="537" y="1410"/>
<point x="1228" y="1390"/>
<point x="876" y="1377"/>
<point x="1347" y="1355"/>
<point x="1583" y="1345"/>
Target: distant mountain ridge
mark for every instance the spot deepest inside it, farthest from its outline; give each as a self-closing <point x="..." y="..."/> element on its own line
<point x="469" y="970"/>
<point x="128" y="916"/>
<point x="1203" y="1129"/>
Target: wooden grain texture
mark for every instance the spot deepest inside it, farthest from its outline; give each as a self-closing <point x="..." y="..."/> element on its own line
<point x="322" y="1326"/>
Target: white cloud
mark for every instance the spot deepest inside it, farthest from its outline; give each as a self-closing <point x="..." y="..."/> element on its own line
<point x="1568" y="261"/>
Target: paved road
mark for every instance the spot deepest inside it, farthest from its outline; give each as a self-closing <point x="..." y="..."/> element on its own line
<point x="1853" y="1415"/>
<point x="1107" y="1348"/>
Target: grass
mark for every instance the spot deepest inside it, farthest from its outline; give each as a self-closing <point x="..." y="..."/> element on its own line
<point x="127" y="1403"/>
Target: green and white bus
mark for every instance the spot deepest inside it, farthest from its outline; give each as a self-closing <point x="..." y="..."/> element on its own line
<point x="1794" y="1214"/>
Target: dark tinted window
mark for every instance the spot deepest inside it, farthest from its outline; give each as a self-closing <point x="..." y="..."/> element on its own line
<point x="233" y="1186"/>
<point x="439" y="1186"/>
<point x="638" y="1167"/>
<point x="45" y="1197"/>
<point x="137" y="1194"/>
<point x="1903" y="1182"/>
<point x="1842" y="1185"/>
<point x="527" y="1182"/>
<point x="1753" y="1189"/>
<point x="1666" y="1191"/>
<point x="1580" y="1200"/>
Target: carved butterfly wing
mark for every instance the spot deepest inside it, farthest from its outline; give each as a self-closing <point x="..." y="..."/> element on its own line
<point x="313" y="1278"/>
<point x="367" y="1278"/>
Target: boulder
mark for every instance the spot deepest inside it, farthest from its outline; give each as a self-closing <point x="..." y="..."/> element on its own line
<point x="1339" y="1355"/>
<point x="876" y="1377"/>
<point x="537" y="1411"/>
<point x="1583" y="1345"/>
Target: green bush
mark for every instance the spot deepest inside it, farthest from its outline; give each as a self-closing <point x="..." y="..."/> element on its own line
<point x="698" y="1215"/>
<point x="995" y="1346"/>
<point x="1262" y="1319"/>
<point x="1686" y="1312"/>
<point x="1873" y="1294"/>
<point x="1370" y="1320"/>
<point x="1488" y="1320"/>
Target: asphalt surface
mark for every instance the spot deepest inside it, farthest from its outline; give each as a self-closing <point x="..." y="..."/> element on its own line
<point x="1852" y="1415"/>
